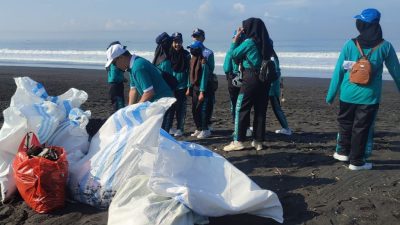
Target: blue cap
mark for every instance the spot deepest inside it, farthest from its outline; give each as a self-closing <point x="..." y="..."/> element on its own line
<point x="196" y="44"/>
<point x="369" y="15"/>
<point x="198" y="32"/>
<point x="162" y="38"/>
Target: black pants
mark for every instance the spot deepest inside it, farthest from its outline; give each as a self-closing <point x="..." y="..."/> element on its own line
<point x="233" y="95"/>
<point x="117" y="95"/>
<point x="355" y="121"/>
<point x="253" y="93"/>
<point x="178" y="109"/>
<point x="279" y="114"/>
<point x="201" y="110"/>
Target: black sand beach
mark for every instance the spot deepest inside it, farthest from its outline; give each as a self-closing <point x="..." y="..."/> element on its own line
<point x="312" y="186"/>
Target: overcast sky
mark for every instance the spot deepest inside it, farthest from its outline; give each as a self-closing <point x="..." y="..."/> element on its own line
<point x="140" y="20"/>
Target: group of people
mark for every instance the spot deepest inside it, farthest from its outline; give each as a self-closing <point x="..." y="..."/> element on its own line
<point x="251" y="46"/>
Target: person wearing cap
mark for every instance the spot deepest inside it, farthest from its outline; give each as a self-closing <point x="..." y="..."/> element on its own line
<point x="199" y="35"/>
<point x="116" y="81"/>
<point x="145" y="79"/>
<point x="359" y="103"/>
<point x="180" y="61"/>
<point x="254" y="91"/>
<point x="274" y="94"/>
<point x="200" y="88"/>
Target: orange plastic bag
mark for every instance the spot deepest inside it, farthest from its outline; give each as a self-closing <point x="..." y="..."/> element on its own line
<point x="40" y="181"/>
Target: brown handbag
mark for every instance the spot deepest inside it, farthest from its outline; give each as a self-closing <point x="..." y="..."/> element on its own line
<point x="361" y="71"/>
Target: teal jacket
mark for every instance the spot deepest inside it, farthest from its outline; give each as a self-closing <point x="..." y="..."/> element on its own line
<point x="115" y="75"/>
<point x="165" y="66"/>
<point x="207" y="69"/>
<point x="247" y="51"/>
<point x="182" y="77"/>
<point x="229" y="65"/>
<point x="363" y="94"/>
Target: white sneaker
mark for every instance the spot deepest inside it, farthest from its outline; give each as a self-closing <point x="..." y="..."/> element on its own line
<point x="285" y="131"/>
<point x="172" y="131"/>
<point x="366" y="166"/>
<point x="196" y="133"/>
<point x="342" y="158"/>
<point x="257" y="145"/>
<point x="204" y="134"/>
<point x="249" y="132"/>
<point x="178" y="133"/>
<point x="234" y="146"/>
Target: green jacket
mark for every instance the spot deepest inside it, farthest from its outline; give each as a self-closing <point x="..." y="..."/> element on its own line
<point x="115" y="75"/>
<point x="359" y="94"/>
<point x="246" y="51"/>
<point x="229" y="65"/>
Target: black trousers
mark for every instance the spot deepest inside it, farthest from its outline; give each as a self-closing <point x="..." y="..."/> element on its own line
<point x="178" y="109"/>
<point x="117" y="95"/>
<point x="355" y="121"/>
<point x="253" y="94"/>
<point x="201" y="110"/>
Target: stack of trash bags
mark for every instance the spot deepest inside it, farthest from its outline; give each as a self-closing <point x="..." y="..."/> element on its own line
<point x="133" y="168"/>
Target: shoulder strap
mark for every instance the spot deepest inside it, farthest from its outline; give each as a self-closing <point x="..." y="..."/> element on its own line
<point x="370" y="53"/>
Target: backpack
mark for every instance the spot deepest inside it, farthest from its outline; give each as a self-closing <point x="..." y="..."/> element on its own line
<point x="170" y="80"/>
<point x="362" y="70"/>
<point x="268" y="71"/>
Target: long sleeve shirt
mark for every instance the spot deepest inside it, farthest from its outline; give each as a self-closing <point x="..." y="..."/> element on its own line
<point x="363" y="94"/>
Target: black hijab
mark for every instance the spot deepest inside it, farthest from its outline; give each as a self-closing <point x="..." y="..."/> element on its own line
<point x="255" y="28"/>
<point x="162" y="52"/>
<point x="179" y="59"/>
<point x="370" y="33"/>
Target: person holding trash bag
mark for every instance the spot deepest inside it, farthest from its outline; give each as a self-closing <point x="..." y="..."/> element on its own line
<point x="145" y="79"/>
<point x="358" y="77"/>
<point x="254" y="90"/>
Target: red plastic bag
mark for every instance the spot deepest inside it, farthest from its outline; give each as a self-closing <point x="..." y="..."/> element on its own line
<point x="40" y="181"/>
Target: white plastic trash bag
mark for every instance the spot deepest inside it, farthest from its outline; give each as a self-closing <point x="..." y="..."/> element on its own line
<point x="134" y="203"/>
<point x="111" y="160"/>
<point x="208" y="183"/>
<point x="31" y="110"/>
<point x="71" y="134"/>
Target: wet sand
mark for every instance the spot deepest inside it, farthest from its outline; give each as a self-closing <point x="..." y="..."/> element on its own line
<point x="312" y="186"/>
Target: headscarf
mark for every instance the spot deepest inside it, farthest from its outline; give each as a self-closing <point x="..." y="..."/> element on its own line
<point x="370" y="33"/>
<point x="255" y="28"/>
<point x="162" y="52"/>
<point x="179" y="59"/>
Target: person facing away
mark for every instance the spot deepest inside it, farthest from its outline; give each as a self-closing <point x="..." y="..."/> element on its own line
<point x="145" y="78"/>
<point x="200" y="89"/>
<point x="180" y="61"/>
<point x="359" y="103"/>
<point x="199" y="35"/>
<point x="163" y="62"/>
<point x="116" y="81"/>
<point x="274" y="94"/>
<point x="254" y="91"/>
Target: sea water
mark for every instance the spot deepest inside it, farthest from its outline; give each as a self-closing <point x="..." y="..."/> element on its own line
<point x="297" y="58"/>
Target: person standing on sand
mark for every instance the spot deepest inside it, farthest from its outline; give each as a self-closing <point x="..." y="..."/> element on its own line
<point x="145" y="79"/>
<point x="199" y="35"/>
<point x="274" y="94"/>
<point x="162" y="61"/>
<point x="359" y="103"/>
<point x="116" y="80"/>
<point x="180" y="61"/>
<point x="234" y="78"/>
<point x="199" y="87"/>
<point x="254" y="91"/>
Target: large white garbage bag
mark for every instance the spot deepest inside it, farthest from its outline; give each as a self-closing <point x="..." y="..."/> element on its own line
<point x="208" y="183"/>
<point x="31" y="110"/>
<point x="71" y="134"/>
<point x="111" y="161"/>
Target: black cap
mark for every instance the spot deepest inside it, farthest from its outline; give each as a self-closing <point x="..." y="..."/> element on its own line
<point x="198" y="32"/>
